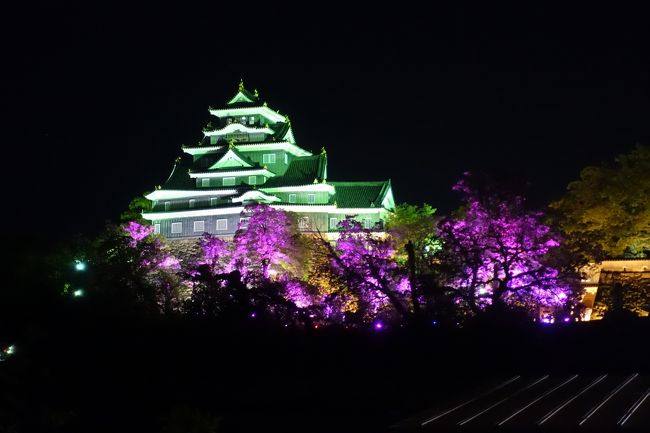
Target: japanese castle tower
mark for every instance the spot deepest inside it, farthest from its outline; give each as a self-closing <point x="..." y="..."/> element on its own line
<point x="249" y="155"/>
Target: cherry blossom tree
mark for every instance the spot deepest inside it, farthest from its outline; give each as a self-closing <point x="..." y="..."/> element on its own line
<point x="267" y="241"/>
<point x="154" y="269"/>
<point x="216" y="254"/>
<point x="496" y="254"/>
<point x="365" y="261"/>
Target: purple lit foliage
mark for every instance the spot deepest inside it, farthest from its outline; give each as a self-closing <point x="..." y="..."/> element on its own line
<point x="157" y="268"/>
<point x="138" y="232"/>
<point x="268" y="242"/>
<point x="366" y="262"/>
<point x="217" y="254"/>
<point x="495" y="254"/>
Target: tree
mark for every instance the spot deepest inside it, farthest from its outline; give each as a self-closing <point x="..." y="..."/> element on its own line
<point x="269" y="240"/>
<point x="133" y="266"/>
<point x="606" y="213"/>
<point x="216" y="254"/>
<point x="495" y="254"/>
<point x="413" y="230"/>
<point x="366" y="263"/>
<point x="134" y="211"/>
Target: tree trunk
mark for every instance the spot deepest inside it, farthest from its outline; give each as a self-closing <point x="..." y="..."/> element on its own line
<point x="410" y="251"/>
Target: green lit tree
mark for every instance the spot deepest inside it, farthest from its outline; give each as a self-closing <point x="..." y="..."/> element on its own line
<point x="606" y="213"/>
<point x="413" y="229"/>
<point x="134" y="211"/>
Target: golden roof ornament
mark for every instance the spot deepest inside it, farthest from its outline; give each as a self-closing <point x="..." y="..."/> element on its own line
<point x="257" y="95"/>
<point x="241" y="84"/>
<point x="323" y="151"/>
<point x="265" y="104"/>
<point x="231" y="144"/>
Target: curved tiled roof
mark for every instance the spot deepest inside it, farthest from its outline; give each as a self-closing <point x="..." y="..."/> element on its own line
<point x="360" y="194"/>
<point x="302" y="171"/>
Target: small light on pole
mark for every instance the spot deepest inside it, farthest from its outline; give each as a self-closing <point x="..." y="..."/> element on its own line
<point x="79" y="265"/>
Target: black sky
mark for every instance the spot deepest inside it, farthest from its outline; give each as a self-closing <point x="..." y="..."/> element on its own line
<point x="98" y="102"/>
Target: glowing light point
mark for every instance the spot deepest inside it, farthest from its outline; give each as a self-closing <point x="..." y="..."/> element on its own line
<point x="379" y="326"/>
<point x="566" y="319"/>
<point x="77" y="293"/>
<point x="434" y="322"/>
<point x="10" y="350"/>
<point x="253" y="315"/>
<point x="79" y="265"/>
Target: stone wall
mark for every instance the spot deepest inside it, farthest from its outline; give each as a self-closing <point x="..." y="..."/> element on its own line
<point x="626" y="282"/>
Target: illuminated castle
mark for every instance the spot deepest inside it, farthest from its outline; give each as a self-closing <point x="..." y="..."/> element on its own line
<point x="249" y="155"/>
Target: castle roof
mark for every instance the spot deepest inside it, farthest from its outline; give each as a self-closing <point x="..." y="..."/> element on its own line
<point x="243" y="97"/>
<point x="360" y="194"/>
<point x="303" y="170"/>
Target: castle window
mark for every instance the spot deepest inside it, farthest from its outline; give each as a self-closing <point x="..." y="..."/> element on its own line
<point x="367" y="223"/>
<point x="311" y="198"/>
<point x="268" y="158"/>
<point x="205" y="182"/>
<point x="228" y="121"/>
<point x="243" y="222"/>
<point x="222" y="224"/>
<point x="228" y="181"/>
<point x="286" y="158"/>
<point x="333" y="222"/>
<point x="303" y="223"/>
<point x="292" y="198"/>
<point x="252" y="180"/>
<point x="213" y="201"/>
<point x="199" y="226"/>
<point x="168" y="205"/>
<point x="213" y="139"/>
<point x="251" y="120"/>
<point x="243" y="120"/>
<point x="177" y="228"/>
<point x="156" y="228"/>
<point x="192" y="203"/>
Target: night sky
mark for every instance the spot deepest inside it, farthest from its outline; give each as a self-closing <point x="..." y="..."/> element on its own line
<point x="97" y="103"/>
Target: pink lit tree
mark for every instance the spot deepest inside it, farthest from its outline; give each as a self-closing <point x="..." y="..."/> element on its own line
<point x="366" y="263"/>
<point x="154" y="270"/>
<point x="497" y="254"/>
<point x="268" y="241"/>
<point x="216" y="254"/>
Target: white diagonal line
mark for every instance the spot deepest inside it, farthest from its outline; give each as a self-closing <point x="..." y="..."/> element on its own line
<point x="633" y="408"/>
<point x="567" y="402"/>
<point x="610" y="395"/>
<point x="537" y="399"/>
<point x="435" y="417"/>
<point x="466" y="420"/>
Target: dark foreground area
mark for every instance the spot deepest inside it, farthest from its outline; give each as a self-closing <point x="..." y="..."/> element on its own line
<point x="81" y="371"/>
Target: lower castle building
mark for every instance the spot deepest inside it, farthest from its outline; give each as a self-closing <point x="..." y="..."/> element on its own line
<point x="248" y="154"/>
<point x="601" y="280"/>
